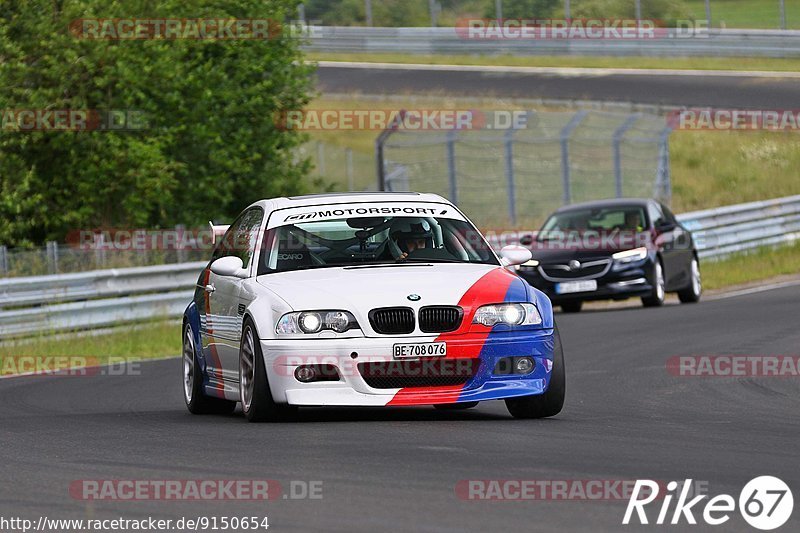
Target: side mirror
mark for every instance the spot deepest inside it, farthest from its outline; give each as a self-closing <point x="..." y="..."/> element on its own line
<point x="665" y="227"/>
<point x="514" y="254"/>
<point x="229" y="266"/>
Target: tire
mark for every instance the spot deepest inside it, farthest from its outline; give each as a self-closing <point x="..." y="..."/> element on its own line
<point x="572" y="307"/>
<point x="455" y="406"/>
<point x="656" y="298"/>
<point x="193" y="395"/>
<point x="551" y="401"/>
<point x="254" y="391"/>
<point x="692" y="293"/>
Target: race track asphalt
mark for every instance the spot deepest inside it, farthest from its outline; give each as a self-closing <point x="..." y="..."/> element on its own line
<point x="626" y="417"/>
<point x="735" y="91"/>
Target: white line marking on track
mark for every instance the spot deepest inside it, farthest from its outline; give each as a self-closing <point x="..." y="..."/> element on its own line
<point x="753" y="290"/>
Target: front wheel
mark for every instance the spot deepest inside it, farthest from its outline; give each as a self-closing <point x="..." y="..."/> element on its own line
<point x="656" y="298"/>
<point x="254" y="392"/>
<point x="551" y="401"/>
<point x="194" y="396"/>
<point x="691" y="294"/>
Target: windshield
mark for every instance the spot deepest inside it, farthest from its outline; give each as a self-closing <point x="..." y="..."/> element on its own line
<point x="372" y="241"/>
<point x="594" y="220"/>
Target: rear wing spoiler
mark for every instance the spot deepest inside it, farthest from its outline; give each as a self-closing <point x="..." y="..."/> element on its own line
<point x="217" y="231"/>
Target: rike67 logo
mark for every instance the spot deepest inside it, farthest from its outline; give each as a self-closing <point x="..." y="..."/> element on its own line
<point x="765" y="503"/>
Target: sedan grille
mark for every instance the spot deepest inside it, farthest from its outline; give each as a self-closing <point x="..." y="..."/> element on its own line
<point x="440" y="319"/>
<point x="588" y="270"/>
<point x="392" y="320"/>
<point x="400" y="374"/>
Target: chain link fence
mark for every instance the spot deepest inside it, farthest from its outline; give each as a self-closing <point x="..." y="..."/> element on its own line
<point x="515" y="177"/>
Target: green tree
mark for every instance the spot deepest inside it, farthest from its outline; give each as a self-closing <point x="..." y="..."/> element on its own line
<point x="211" y="144"/>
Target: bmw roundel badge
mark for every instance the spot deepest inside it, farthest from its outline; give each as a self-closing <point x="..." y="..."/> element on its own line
<point x="414" y="297"/>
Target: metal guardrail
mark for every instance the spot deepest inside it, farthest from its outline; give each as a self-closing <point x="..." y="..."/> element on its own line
<point x="107" y="297"/>
<point x="432" y="41"/>
<point x="36" y="290"/>
<point x="737" y="228"/>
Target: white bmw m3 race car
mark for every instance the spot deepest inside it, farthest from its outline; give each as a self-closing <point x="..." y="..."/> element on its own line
<point x="366" y="299"/>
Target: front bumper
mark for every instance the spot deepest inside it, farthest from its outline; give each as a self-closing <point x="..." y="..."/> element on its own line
<point x="282" y="357"/>
<point x="629" y="282"/>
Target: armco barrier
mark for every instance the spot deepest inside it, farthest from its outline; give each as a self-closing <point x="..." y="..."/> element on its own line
<point x="432" y="41"/>
<point x="106" y="297"/>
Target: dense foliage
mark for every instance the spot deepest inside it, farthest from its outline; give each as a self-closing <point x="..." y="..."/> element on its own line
<point x="209" y="146"/>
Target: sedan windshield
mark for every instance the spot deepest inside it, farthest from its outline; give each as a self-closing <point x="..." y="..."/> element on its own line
<point x="594" y="220"/>
<point x="372" y="241"/>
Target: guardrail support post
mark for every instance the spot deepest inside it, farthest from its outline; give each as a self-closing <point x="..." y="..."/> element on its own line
<point x="565" y="170"/>
<point x="619" y="133"/>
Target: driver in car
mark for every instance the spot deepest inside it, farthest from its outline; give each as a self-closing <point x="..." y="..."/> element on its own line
<point x="410" y="234"/>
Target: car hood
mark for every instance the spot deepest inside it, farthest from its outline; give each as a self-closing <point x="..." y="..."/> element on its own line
<point x="549" y="252"/>
<point x="360" y="289"/>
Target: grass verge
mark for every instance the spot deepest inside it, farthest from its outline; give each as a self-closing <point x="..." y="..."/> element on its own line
<point x="655" y="63"/>
<point x="759" y="265"/>
<point x="125" y="343"/>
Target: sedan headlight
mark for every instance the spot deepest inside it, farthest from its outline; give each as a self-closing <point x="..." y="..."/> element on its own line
<point x="510" y="314"/>
<point x="630" y="256"/>
<point x="315" y="321"/>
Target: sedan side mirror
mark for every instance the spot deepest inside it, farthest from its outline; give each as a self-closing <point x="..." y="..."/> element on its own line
<point x="665" y="226"/>
<point x="514" y="254"/>
<point x="229" y="266"/>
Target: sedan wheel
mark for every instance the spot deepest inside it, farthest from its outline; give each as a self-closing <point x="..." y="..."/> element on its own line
<point x="656" y="298"/>
<point x="691" y="294"/>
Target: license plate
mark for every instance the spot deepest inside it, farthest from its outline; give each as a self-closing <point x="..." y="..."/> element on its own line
<point x="576" y="286"/>
<point x="428" y="349"/>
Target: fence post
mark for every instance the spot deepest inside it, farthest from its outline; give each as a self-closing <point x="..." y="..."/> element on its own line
<point x="348" y="163"/>
<point x="52" y="257"/>
<point x="782" y="7"/>
<point x="368" y="11"/>
<point x="180" y="230"/>
<point x="451" y="165"/>
<point x="619" y="133"/>
<point x="498" y="10"/>
<point x="565" y="171"/>
<point x="3" y="260"/>
<point x="321" y="159"/>
<point x="638" y="11"/>
<point x="380" y="141"/>
<point x="509" y="159"/>
<point x="664" y="173"/>
<point x="708" y="12"/>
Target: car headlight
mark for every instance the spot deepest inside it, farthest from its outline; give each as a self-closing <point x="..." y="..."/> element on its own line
<point x="630" y="256"/>
<point x="315" y="321"/>
<point x="509" y="314"/>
